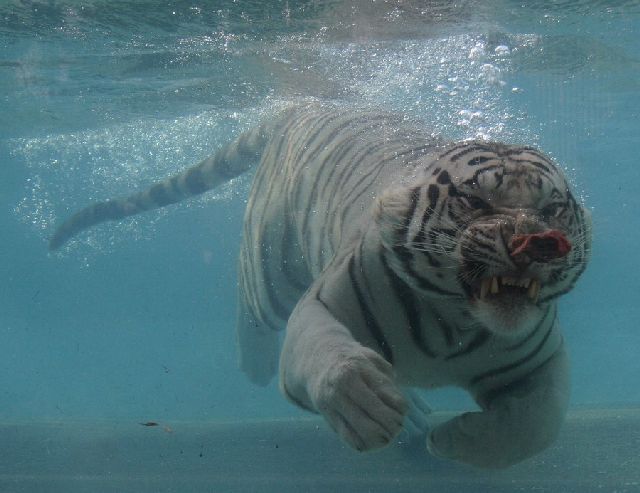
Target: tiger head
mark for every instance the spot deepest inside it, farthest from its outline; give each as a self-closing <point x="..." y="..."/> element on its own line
<point x="494" y="226"/>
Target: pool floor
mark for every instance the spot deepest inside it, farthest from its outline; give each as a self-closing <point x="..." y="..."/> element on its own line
<point x="597" y="451"/>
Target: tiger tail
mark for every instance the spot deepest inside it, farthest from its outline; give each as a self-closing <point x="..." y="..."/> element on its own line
<point x="229" y="162"/>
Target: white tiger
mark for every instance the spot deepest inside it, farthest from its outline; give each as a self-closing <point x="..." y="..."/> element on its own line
<point x="395" y="259"/>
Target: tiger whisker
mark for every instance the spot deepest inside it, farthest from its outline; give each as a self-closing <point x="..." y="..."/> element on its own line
<point x="471" y="276"/>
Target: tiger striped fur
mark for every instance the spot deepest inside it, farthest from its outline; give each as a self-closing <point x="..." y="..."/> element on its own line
<point x="390" y="256"/>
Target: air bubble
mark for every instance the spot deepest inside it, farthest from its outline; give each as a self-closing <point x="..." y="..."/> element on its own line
<point x="477" y="52"/>
<point x="491" y="74"/>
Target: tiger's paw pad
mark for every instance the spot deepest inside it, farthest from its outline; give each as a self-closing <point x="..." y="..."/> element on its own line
<point x="359" y="399"/>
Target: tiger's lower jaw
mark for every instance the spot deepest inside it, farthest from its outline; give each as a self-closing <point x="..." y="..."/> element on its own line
<point x="511" y="312"/>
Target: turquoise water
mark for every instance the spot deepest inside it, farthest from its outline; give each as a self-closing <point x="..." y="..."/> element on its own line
<point x="134" y="321"/>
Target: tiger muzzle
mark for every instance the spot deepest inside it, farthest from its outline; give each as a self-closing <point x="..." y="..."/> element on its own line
<point x="539" y="247"/>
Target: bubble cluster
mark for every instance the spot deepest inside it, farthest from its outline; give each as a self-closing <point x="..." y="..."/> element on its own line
<point x="35" y="208"/>
<point x="458" y="85"/>
<point x="70" y="171"/>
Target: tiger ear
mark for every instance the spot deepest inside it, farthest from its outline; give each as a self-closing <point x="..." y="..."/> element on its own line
<point x="390" y="212"/>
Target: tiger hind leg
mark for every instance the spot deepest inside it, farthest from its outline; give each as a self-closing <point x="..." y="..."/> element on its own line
<point x="258" y="346"/>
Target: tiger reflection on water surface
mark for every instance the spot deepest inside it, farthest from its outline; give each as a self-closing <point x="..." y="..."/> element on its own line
<point x="396" y="259"/>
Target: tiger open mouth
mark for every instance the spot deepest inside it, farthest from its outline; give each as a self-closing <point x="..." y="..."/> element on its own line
<point x="494" y="286"/>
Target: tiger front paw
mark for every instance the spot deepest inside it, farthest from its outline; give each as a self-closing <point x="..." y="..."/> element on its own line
<point x="358" y="397"/>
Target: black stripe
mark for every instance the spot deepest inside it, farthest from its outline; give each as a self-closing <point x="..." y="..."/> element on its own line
<point x="448" y="234"/>
<point x="444" y="178"/>
<point x="103" y="211"/>
<point x="433" y="241"/>
<point x="348" y="200"/>
<point x="556" y="193"/>
<point x="478" y="160"/>
<point x="264" y="183"/>
<point x="414" y="152"/>
<point x="363" y="123"/>
<point x="535" y="152"/>
<point x="405" y="256"/>
<point x="223" y="168"/>
<point x="483" y="234"/>
<point x="533" y="163"/>
<point x="333" y="160"/>
<point x="354" y="165"/>
<point x="453" y="149"/>
<point x="307" y="149"/>
<point x="174" y="186"/>
<point x="324" y="124"/>
<point x="521" y="361"/>
<point x="471" y="148"/>
<point x="285" y="160"/>
<point x="309" y="130"/>
<point x="482" y="337"/>
<point x="247" y="149"/>
<point x="433" y="192"/>
<point x="470" y="249"/>
<point x="195" y="182"/>
<point x="288" y="266"/>
<point x="414" y="193"/>
<point x="274" y="303"/>
<point x="539" y="325"/>
<point x="367" y="178"/>
<point x="458" y="220"/>
<point x="369" y="319"/>
<point x="446" y="329"/>
<point x="405" y="295"/>
<point x="489" y="396"/>
<point x="364" y="184"/>
<point x="160" y="195"/>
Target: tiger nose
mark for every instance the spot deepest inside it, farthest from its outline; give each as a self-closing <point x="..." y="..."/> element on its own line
<point x="527" y="240"/>
<point x="541" y="247"/>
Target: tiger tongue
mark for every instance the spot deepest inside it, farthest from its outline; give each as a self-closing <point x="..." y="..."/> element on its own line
<point x="541" y="247"/>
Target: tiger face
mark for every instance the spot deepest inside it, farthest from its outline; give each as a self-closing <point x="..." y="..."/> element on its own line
<point x="492" y="225"/>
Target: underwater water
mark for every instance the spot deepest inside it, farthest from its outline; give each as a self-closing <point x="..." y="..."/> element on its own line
<point x="133" y="322"/>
